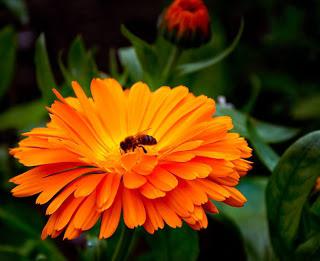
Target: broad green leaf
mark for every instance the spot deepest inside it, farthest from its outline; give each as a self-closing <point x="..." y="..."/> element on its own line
<point x="252" y="218"/>
<point x="23" y="116"/>
<point x="288" y="191"/>
<point x="130" y="62"/>
<point x="269" y="133"/>
<point x="173" y="244"/>
<point x="200" y="65"/>
<point x="8" y="45"/>
<point x="266" y="154"/>
<point x="44" y="75"/>
<point x="18" y="8"/>
<point x="146" y="55"/>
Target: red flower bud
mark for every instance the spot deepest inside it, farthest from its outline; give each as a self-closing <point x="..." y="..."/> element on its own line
<point x="186" y="23"/>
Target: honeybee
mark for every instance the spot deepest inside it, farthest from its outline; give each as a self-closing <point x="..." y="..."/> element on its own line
<point x="137" y="141"/>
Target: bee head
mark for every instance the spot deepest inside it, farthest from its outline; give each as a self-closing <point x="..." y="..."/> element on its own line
<point x="123" y="145"/>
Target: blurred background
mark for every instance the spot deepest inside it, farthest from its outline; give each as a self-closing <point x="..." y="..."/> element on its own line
<point x="279" y="50"/>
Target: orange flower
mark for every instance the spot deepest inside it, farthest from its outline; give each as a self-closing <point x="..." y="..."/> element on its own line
<point x="186" y="23"/>
<point x="79" y="167"/>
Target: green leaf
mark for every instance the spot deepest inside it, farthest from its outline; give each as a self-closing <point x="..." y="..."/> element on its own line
<point x="44" y="75"/>
<point x="18" y="8"/>
<point x="271" y="133"/>
<point x="173" y="244"/>
<point x="81" y="64"/>
<point x="130" y="62"/>
<point x="146" y="55"/>
<point x="268" y="132"/>
<point x="252" y="218"/>
<point x="288" y="190"/>
<point x="113" y="64"/>
<point x="8" y="46"/>
<point x="24" y="116"/>
<point x="200" y="65"/>
<point x="309" y="250"/>
<point x="266" y="154"/>
<point x="316" y="207"/>
<point x="307" y="108"/>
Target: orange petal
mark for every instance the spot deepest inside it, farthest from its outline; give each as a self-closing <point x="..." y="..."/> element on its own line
<point x="153" y="215"/>
<point x="151" y="192"/>
<point x="134" y="213"/>
<point x="139" y="94"/>
<point x="133" y="180"/>
<point x="169" y="216"/>
<point x="163" y="179"/>
<point x="110" y="219"/>
<point x="107" y="190"/>
<point x="88" y="184"/>
<point x="66" y="211"/>
<point x="83" y="213"/>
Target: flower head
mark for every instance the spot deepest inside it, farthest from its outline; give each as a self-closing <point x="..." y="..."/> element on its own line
<point x="186" y="23"/>
<point x="180" y="159"/>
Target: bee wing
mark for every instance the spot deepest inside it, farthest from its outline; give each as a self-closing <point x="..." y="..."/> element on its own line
<point x="142" y="133"/>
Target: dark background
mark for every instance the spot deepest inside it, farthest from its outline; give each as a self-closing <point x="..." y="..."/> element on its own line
<point x="280" y="42"/>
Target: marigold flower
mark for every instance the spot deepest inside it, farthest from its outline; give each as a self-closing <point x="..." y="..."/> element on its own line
<point x="80" y="168"/>
<point x="186" y="23"/>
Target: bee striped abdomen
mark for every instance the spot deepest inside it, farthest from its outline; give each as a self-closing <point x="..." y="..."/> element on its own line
<point x="147" y="140"/>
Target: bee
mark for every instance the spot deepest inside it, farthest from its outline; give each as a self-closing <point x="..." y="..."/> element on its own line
<point x="137" y="141"/>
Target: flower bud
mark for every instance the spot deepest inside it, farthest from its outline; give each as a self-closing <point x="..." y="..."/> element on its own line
<point x="186" y="23"/>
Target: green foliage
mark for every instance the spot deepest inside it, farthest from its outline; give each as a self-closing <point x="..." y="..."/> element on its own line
<point x="26" y="245"/>
<point x="81" y="65"/>
<point x="166" y="245"/>
<point x="146" y="55"/>
<point x="200" y="65"/>
<point x="259" y="134"/>
<point x="293" y="207"/>
<point x="8" y="45"/>
<point x="18" y="8"/>
<point x="307" y="108"/>
<point x="269" y="133"/>
<point x="252" y="218"/>
<point x="23" y="117"/>
<point x="44" y="75"/>
<point x="266" y="154"/>
<point x="130" y="62"/>
<point x="288" y="195"/>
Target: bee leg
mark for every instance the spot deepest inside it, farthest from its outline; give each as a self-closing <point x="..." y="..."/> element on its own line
<point x="144" y="149"/>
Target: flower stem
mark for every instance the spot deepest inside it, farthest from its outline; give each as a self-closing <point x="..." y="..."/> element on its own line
<point x="173" y="58"/>
<point x="124" y="244"/>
